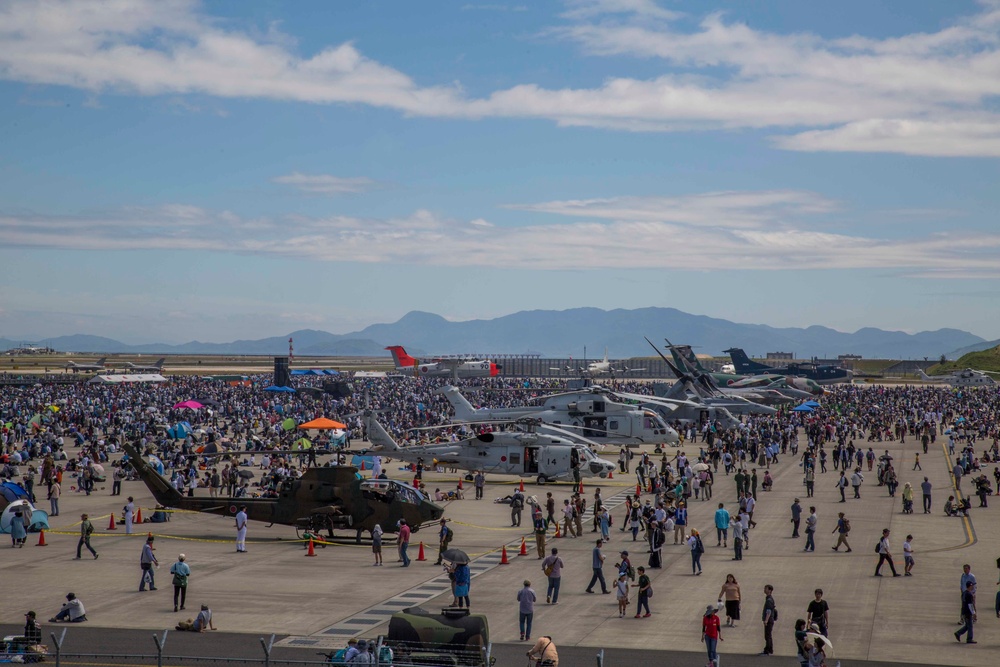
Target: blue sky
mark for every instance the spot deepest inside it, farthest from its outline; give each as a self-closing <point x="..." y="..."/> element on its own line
<point x="173" y="171"/>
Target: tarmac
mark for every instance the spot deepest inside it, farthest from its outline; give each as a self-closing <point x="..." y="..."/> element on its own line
<point x="308" y="602"/>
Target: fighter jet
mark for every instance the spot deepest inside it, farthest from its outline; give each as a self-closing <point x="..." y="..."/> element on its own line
<point x="821" y="373"/>
<point x="153" y="368"/>
<point x="87" y="368"/>
<point x="684" y="357"/>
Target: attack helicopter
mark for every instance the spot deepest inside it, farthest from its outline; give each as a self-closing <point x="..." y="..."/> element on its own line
<point x="323" y="498"/>
<point x="600" y="419"/>
<point x="529" y="452"/>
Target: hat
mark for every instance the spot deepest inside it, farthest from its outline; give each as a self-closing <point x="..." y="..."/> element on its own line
<point x="635" y="504"/>
<point x="710" y="609"/>
<point x="362" y="643"/>
<point x="31" y="614"/>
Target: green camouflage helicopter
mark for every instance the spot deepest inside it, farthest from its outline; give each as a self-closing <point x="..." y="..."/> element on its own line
<point x="324" y="498"/>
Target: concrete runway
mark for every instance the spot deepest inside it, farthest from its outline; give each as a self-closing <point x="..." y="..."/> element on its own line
<point x="275" y="589"/>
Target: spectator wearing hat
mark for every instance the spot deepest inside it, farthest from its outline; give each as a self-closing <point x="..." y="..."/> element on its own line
<point x="711" y="633"/>
<point x="181" y="571"/>
<point x="32" y="632"/>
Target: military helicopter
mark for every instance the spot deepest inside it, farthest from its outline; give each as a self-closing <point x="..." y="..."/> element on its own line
<point x="968" y="377"/>
<point x="600" y="419"/>
<point x="524" y="453"/>
<point x="324" y="498"/>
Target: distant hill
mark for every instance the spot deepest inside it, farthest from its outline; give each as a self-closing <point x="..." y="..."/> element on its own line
<point x="564" y="333"/>
<point x="975" y="347"/>
<point x="980" y="360"/>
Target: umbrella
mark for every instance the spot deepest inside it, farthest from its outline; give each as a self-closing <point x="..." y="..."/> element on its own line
<point x="827" y="646"/>
<point x="210" y="448"/>
<point x="698" y="467"/>
<point x="190" y="405"/>
<point x="802" y="408"/>
<point x="277" y="389"/>
<point x="288" y="424"/>
<point x="811" y="404"/>
<point x="321" y="424"/>
<point x="209" y="401"/>
<point x="456" y="556"/>
<point x="246" y="474"/>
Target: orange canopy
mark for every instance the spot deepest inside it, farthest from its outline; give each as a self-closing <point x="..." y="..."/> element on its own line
<point x="322" y="424"/>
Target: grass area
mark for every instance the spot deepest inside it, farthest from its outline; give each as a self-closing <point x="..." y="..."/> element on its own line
<point x="871" y="366"/>
<point x="987" y="360"/>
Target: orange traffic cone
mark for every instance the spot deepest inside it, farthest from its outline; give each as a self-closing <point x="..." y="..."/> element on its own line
<point x="362" y="464"/>
<point x="459" y="483"/>
<point x="41" y="539"/>
<point x="649" y="488"/>
<point x="138" y="515"/>
<point x="312" y="549"/>
<point x="611" y="474"/>
<point x="503" y="556"/>
<point x="558" y="534"/>
<point x="520" y="487"/>
<point x="580" y="488"/>
<point x="111" y="525"/>
<point x="524" y="548"/>
<point x="420" y="552"/>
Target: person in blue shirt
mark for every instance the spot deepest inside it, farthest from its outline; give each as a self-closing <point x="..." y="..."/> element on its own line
<point x="722" y="526"/>
<point x="463" y="580"/>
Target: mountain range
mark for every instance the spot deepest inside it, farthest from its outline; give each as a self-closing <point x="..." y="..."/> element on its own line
<point x="561" y="334"/>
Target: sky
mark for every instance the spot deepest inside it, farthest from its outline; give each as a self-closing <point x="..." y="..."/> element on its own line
<point x="172" y="170"/>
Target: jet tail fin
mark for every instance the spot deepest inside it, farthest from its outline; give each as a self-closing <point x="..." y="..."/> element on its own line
<point x="159" y="362"/>
<point x="464" y="411"/>
<point x="377" y="435"/>
<point x="401" y="358"/>
<point x="925" y="377"/>
<point x="742" y="361"/>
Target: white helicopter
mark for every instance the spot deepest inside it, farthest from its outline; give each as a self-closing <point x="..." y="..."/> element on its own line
<point x="591" y="410"/>
<point x="525" y="453"/>
<point x="968" y="377"/>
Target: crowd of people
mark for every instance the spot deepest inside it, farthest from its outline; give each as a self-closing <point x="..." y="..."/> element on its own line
<point x="50" y="432"/>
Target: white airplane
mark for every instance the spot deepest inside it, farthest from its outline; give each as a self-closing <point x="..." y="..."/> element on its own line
<point x="454" y="368"/>
<point x="527" y="453"/>
<point x="97" y="366"/>
<point x="602" y="367"/>
<point x="154" y="368"/>
<point x="964" y="378"/>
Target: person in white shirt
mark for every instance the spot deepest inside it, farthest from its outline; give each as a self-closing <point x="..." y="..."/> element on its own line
<point x="908" y="561"/>
<point x="241" y="530"/>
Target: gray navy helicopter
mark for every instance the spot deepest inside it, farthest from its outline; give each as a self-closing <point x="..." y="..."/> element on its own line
<point x="527" y="451"/>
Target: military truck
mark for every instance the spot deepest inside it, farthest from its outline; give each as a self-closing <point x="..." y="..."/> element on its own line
<point x="452" y="638"/>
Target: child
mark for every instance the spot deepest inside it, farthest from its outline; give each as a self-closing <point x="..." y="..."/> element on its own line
<point x="622" y="589"/>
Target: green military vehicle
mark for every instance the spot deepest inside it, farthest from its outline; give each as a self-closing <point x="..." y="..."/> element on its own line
<point x="452" y="638"/>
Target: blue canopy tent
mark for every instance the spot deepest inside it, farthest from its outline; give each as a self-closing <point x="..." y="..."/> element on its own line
<point x="811" y="404"/>
<point x="282" y="390"/>
<point x="802" y="408"/>
<point x="180" y="430"/>
<point x="11" y="491"/>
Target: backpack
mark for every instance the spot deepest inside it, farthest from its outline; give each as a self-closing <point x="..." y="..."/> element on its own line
<point x="631" y="572"/>
<point x="698" y="546"/>
<point x="450" y="534"/>
<point x="878" y="547"/>
<point x="847" y="526"/>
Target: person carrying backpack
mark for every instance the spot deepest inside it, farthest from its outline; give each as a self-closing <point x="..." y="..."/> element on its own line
<point x="697" y="549"/>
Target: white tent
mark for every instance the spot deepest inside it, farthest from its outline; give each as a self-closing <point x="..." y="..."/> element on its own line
<point x="135" y="377"/>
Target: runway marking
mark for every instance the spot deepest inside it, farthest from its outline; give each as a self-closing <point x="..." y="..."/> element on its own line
<point x="362" y="623"/>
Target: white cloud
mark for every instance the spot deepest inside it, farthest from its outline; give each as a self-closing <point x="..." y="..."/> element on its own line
<point x="922" y="94"/>
<point x="755" y="231"/>
<point x="326" y="184"/>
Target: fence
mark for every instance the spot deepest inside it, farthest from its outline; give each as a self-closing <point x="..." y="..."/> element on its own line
<point x="404" y="657"/>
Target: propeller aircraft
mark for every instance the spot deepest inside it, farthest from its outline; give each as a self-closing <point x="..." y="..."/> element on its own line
<point x="600" y="419"/>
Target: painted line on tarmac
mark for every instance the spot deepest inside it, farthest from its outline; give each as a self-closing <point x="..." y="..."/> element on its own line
<point x="367" y="620"/>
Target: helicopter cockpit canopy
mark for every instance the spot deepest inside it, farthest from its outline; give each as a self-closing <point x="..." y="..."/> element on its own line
<point x="391" y="491"/>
